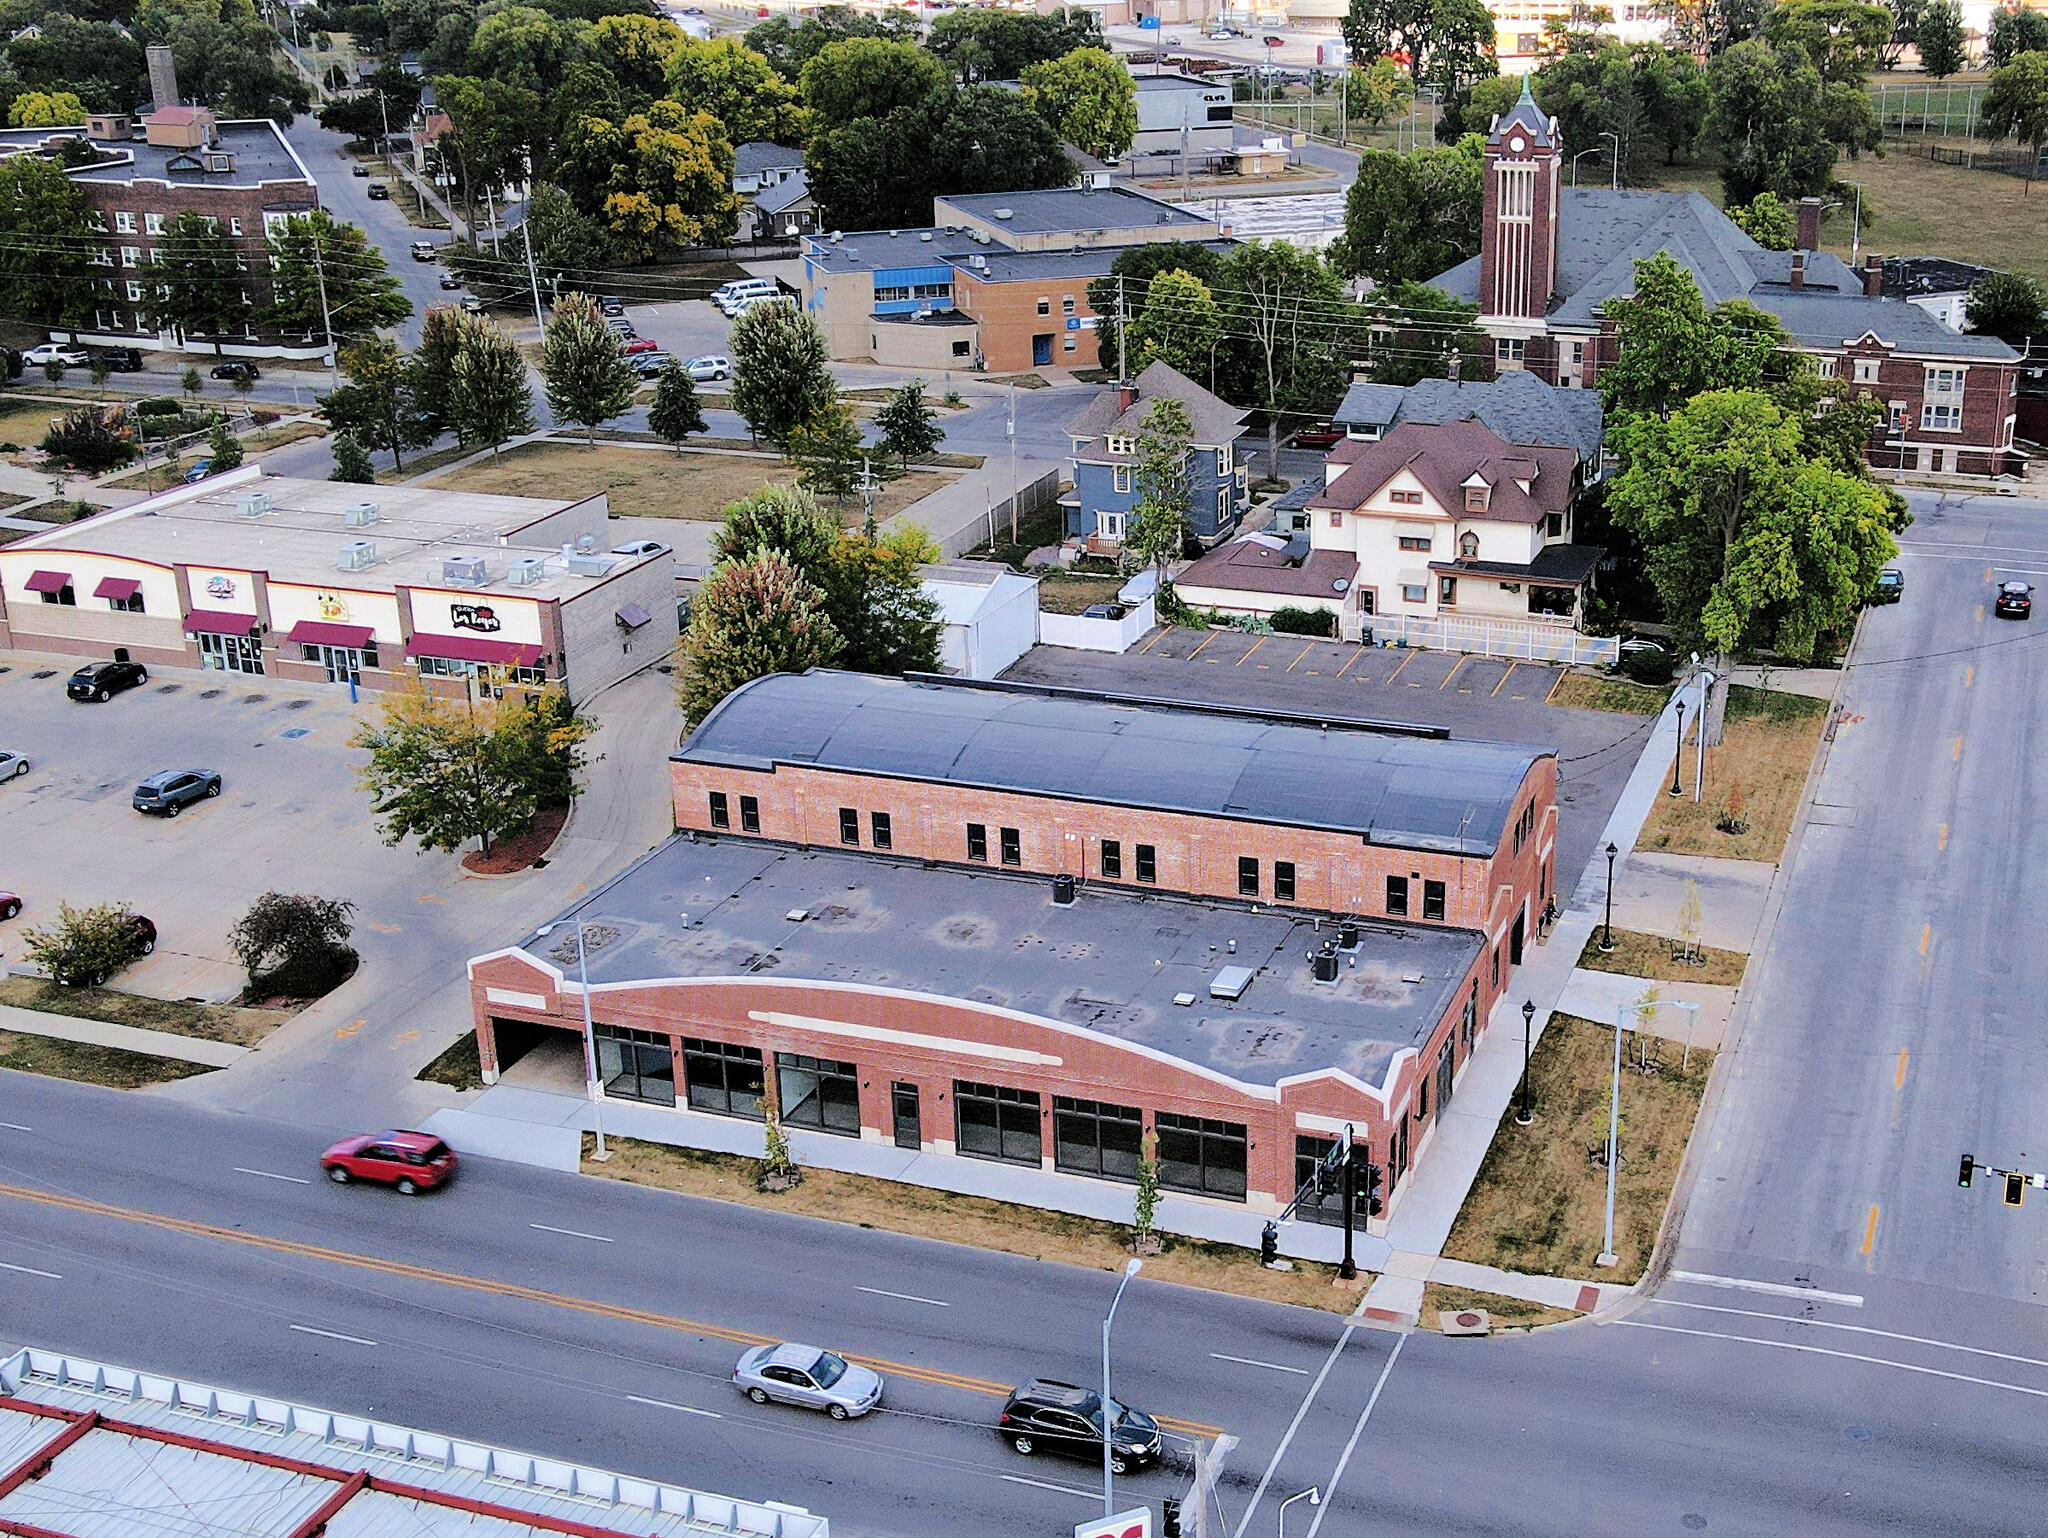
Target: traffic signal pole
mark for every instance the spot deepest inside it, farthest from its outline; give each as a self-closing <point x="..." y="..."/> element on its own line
<point x="1348" y="1271"/>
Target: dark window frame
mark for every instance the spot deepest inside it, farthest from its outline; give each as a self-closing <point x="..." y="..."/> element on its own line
<point x="1146" y="864"/>
<point x="881" y="830"/>
<point x="1326" y="1210"/>
<point x="750" y="814"/>
<point x="1210" y="1142"/>
<point x="1397" y="897"/>
<point x="1247" y="875"/>
<point x="849" y="826"/>
<point x="1283" y="881"/>
<point x="1011" y="846"/>
<point x="1014" y="1117"/>
<point x="1112" y="859"/>
<point x="818" y="1093"/>
<point x="710" y="1070"/>
<point x="634" y="1064"/>
<point x="977" y="841"/>
<point x="1079" y="1146"/>
<point x="721" y="809"/>
<point x="1433" y="900"/>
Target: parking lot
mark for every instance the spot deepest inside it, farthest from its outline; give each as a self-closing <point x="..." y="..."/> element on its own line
<point x="1478" y="697"/>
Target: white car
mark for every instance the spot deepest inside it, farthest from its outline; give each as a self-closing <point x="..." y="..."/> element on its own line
<point x="12" y="765"/>
<point x="710" y="366"/>
<point x="56" y="352"/>
<point x="640" y="547"/>
<point x="1219" y="34"/>
<point x="735" y="308"/>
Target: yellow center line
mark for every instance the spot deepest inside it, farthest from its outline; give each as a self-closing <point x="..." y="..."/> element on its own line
<point x="1261" y="641"/>
<point x="1926" y="934"/>
<point x="513" y="1290"/>
<point x="1304" y="652"/>
<point x="1944" y="838"/>
<point x="1969" y="675"/>
<point x="1870" y="1231"/>
<point x="1957" y="756"/>
<point x="1899" y="1078"/>
<point x="1980" y="614"/>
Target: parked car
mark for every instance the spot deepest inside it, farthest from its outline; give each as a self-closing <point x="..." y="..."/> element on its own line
<point x="639" y="344"/>
<point x="412" y="1161"/>
<point x="1891" y="586"/>
<point x="423" y="250"/>
<point x="1049" y="1416"/>
<point x="12" y="765"/>
<point x="201" y="469"/>
<point x="618" y="325"/>
<point x="710" y="366"/>
<point x="631" y="547"/>
<point x="2015" y="601"/>
<point x="56" y="352"/>
<point x="471" y="305"/>
<point x="648" y="364"/>
<point x="808" y="1376"/>
<point x="359" y="169"/>
<point x="100" y="681"/>
<point x="1219" y="34"/>
<point x="1321" y="435"/>
<point x="449" y="280"/>
<point x="380" y="192"/>
<point x="170" y="791"/>
<point x="237" y="368"/>
<point x="10" y="904"/>
<point x="1273" y="42"/>
<point x="612" y="304"/>
<point x="122" y="360"/>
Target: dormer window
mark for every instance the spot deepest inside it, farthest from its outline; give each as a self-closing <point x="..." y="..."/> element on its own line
<point x="1122" y="445"/>
<point x="1468" y="547"/>
<point x="1476" y="498"/>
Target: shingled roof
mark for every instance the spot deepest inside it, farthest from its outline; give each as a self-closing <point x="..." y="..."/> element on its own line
<point x="1444" y="456"/>
<point x="1214" y="420"/>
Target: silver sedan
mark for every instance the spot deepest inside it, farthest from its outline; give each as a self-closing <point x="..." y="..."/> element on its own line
<point x="808" y="1376"/>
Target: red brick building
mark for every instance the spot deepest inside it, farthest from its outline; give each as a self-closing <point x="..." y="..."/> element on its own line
<point x="1030" y="926"/>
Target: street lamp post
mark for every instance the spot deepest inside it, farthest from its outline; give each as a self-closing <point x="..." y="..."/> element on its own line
<point x="1131" y="1268"/>
<point x="1699" y="724"/>
<point x="1607" y="933"/>
<point x="1582" y="154"/>
<point x="590" y="1081"/>
<point x="1313" y="1495"/>
<point x="1614" y="180"/>
<point x="1678" y="750"/>
<point x="1607" y="1257"/>
<point x="1524" y="1116"/>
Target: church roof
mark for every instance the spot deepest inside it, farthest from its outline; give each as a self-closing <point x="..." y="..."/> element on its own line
<point x="1528" y="117"/>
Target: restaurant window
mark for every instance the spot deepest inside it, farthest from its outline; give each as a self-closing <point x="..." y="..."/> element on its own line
<point x="849" y="825"/>
<point x="819" y="1093"/>
<point x="879" y="822"/>
<point x="1112" y="860"/>
<point x="132" y="604"/>
<point x="1327" y="1209"/>
<point x="750" y="814"/>
<point x="721" y="813"/>
<point x="1203" y="1156"/>
<point x="1397" y="896"/>
<point x="64" y="595"/>
<point x="635" y="1065"/>
<point x="1091" y="1137"/>
<point x="1013" y="847"/>
<point x="1148" y="863"/>
<point x="977" y="841"/>
<point x="1432" y="899"/>
<point x="722" y="1078"/>
<point x="1247" y="875"/>
<point x="997" y="1123"/>
<point x="1283" y="881"/>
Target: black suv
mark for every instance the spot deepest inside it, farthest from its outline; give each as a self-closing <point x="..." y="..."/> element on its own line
<point x="122" y="360"/>
<point x="100" y="680"/>
<point x="1045" y="1416"/>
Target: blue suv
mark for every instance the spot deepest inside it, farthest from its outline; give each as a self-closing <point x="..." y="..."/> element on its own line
<point x="175" y="789"/>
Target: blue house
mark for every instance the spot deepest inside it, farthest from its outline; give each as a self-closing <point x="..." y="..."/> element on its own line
<point x="1106" y="458"/>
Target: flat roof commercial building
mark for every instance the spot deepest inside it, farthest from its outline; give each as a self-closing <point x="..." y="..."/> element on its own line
<point x="322" y="581"/>
<point x="1028" y="926"/>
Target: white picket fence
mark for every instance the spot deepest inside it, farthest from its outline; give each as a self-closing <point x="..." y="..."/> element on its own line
<point x="1520" y="640"/>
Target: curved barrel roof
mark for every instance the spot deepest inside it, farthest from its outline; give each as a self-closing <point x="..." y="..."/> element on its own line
<point x="1387" y="786"/>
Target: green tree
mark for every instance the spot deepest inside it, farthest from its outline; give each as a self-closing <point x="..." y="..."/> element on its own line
<point x="875" y="599"/>
<point x="909" y="424"/>
<point x="489" y="399"/>
<point x="792" y="40"/>
<point x="1940" y="39"/>
<point x="989" y="44"/>
<point x="1449" y="43"/>
<point x="192" y="282"/>
<point x="2007" y="304"/>
<point x="361" y="295"/>
<point x="433" y="363"/>
<point x="2016" y="105"/>
<point x="861" y="77"/>
<point x="588" y="379"/>
<point x="1378" y="92"/>
<point x="2015" y="30"/>
<point x="1412" y="216"/>
<point x="1159" y="523"/>
<point x="490" y="140"/>
<point x="1180" y="324"/>
<point x="191" y="383"/>
<point x="224" y="447"/>
<point x="782" y="375"/>
<point x="351" y="461"/>
<point x="85" y="946"/>
<point x="675" y="413"/>
<point x="1845" y="39"/>
<point x="784" y="519"/>
<point x="1767" y="220"/>
<point x="1289" y="350"/>
<point x="751" y="618"/>
<point x="1417" y="330"/>
<point x="379" y="406"/>
<point x="44" y="271"/>
<point x="567" y="243"/>
<point x="636" y="51"/>
<point x="660" y="181"/>
<point x="1088" y="98"/>
<point x="992" y="140"/>
<point x="1675" y="98"/>
<point x="739" y="88"/>
<point x="827" y="450"/>
<point x="45" y="109"/>
<point x="1905" y="16"/>
<point x="1671" y="347"/>
<point x="1130" y="279"/>
<point x="392" y="98"/>
<point x="1769" y="123"/>
<point x="525" y="47"/>
<point x="294" y="944"/>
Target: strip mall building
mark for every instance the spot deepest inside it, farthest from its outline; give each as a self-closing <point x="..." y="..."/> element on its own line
<point x="1001" y="923"/>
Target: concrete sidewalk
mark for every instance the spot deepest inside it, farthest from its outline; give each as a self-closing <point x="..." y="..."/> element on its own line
<point x="127" y="1038"/>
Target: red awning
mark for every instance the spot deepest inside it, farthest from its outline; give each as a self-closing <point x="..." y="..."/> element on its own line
<point x="465" y="648"/>
<point x="214" y="622"/>
<point x="119" y="588"/>
<point x="316" y="632"/>
<point x="49" y="582"/>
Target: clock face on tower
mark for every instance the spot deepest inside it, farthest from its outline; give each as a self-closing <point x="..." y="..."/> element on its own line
<point x="1518" y="144"/>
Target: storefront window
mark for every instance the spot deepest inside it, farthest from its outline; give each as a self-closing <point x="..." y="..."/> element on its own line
<point x="998" y="1123"/>
<point x="1203" y="1156"/>
<point x="819" y="1093"/>
<point x="635" y="1065"/>
<point x="1091" y="1137"/>
<point x="722" y="1078"/>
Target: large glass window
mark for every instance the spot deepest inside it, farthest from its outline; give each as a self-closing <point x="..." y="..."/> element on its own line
<point x="1329" y="1208"/>
<point x="1432" y="899"/>
<point x="882" y="829"/>
<point x="849" y="825"/>
<point x="1247" y="875"/>
<point x="636" y="1065"/>
<point x="1148" y="863"/>
<point x="1203" y="1156"/>
<point x="1090" y="1137"/>
<point x="750" y="814"/>
<point x="1283" y="880"/>
<point x="818" y="1092"/>
<point x="997" y="1123"/>
<point x="721" y="816"/>
<point x="722" y="1077"/>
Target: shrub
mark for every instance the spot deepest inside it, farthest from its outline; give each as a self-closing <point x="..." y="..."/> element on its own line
<point x="1648" y="667"/>
<point x="91" y="440"/>
<point x="160" y="406"/>
<point x="294" y="945"/>
<point x="85" y="946"/>
<point x="1311" y="622"/>
<point x="262" y="418"/>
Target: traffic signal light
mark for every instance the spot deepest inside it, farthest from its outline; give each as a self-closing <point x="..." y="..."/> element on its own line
<point x="1269" y="1244"/>
<point x="2015" y="1188"/>
<point x="1371" y="1192"/>
<point x="1968" y="1170"/>
<point x="1169" y="1518"/>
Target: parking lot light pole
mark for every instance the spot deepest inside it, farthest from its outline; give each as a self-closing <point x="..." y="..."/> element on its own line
<point x="1524" y="1116"/>
<point x="1678" y="749"/>
<point x="1131" y="1268"/>
<point x="1607" y="931"/>
<point x="1313" y="1495"/>
<point x="591" y="1085"/>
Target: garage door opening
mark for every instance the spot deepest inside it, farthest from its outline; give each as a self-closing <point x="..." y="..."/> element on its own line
<point x="521" y="1040"/>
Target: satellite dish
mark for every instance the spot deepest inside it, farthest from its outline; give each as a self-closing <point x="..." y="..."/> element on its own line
<point x="1341" y="584"/>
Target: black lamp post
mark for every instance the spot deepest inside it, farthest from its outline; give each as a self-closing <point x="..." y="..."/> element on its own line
<point x="1607" y="934"/>
<point x="1524" y="1116"/>
<point x="1678" y="752"/>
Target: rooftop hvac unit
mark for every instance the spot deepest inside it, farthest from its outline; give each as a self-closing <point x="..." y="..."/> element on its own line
<point x="356" y="555"/>
<point x="1006" y="213"/>
<point x="255" y="505"/>
<point x="590" y="565"/>
<point x="360" y="515"/>
<point x="926" y="236"/>
<point x="527" y="571"/>
<point x="585" y="543"/>
<point x="465" y="570"/>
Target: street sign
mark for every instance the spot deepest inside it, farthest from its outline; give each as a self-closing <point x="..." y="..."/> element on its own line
<point x="1135" y="1523"/>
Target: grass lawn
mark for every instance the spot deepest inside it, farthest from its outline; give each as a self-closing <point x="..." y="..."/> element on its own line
<point x="990" y="1225"/>
<point x="1509" y="1313"/>
<point x="208" y="1022"/>
<point x="1586" y="691"/>
<point x="1066" y="593"/>
<point x="90" y="1064"/>
<point x="23" y="423"/>
<point x="277" y="435"/>
<point x="1636" y="954"/>
<point x="459" y="1067"/>
<point x="420" y="464"/>
<point x="1762" y="763"/>
<point x="644" y="484"/>
<point x="1046" y="526"/>
<point x="1538" y="1204"/>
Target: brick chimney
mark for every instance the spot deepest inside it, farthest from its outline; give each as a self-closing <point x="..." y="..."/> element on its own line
<point x="1126" y="397"/>
<point x="1873" y="276"/>
<point x="1809" y="225"/>
<point x="1798" y="270"/>
<point x="163" y="77"/>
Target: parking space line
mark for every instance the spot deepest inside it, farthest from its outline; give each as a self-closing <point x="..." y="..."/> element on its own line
<point x="1261" y="641"/>
<point x="1165" y="631"/>
<point x="1556" y="684"/>
<point x="1410" y="657"/>
<point x="1304" y="652"/>
<point x="1510" y="673"/>
<point x="1212" y="635"/>
<point x="1462" y="660"/>
<point x="1356" y="653"/>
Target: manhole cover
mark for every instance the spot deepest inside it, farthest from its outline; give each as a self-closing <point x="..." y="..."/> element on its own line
<point x="296" y="704"/>
<point x="297" y="731"/>
<point x="211" y="694"/>
<point x="44" y="673"/>
<point x="168" y="688"/>
<point x="254" y="699"/>
<point x="1468" y="1320"/>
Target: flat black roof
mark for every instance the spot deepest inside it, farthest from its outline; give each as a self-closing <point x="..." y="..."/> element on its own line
<point x="710" y="907"/>
<point x="1390" y="786"/>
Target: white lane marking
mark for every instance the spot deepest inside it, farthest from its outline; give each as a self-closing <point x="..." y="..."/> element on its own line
<point x="30" y="1271"/>
<point x="15" y="1126"/>
<point x="1847" y="1356"/>
<point x="663" y="1404"/>
<point x="1293" y="1426"/>
<point x="1039" y="1484"/>
<point x="907" y="1297"/>
<point x="570" y="1233"/>
<point x="294" y="1179"/>
<point x="1246" y="1361"/>
<point x="1860" y="1329"/>
<point x="1336" y="1474"/>
<point x="353" y="1340"/>
<point x="1775" y="1289"/>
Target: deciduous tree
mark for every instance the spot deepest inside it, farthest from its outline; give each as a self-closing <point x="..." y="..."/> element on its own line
<point x="380" y="405"/>
<point x="987" y="44"/>
<point x="751" y="618"/>
<point x="1159" y="523"/>
<point x="1845" y="39"/>
<point x="192" y="284"/>
<point x="859" y="77"/>
<point x="2007" y="304"/>
<point x="85" y="946"/>
<point x="1671" y="347"/>
<point x="1089" y="99"/>
<point x="588" y="379"/>
<point x="2015" y="30"/>
<point x="1122" y="294"/>
<point x="828" y="452"/>
<point x="782" y="376"/>
<point x="659" y="181"/>
<point x="909" y="424"/>
<point x="351" y="461"/>
<point x="739" y="88"/>
<point x="1767" y="220"/>
<point x="675" y="413"/>
<point x="223" y="448"/>
<point x="309" y="251"/>
<point x="44" y="271"/>
<point x="1181" y="324"/>
<point x="489" y="398"/>
<point x="2016" y="105"/>
<point x="45" y="109"/>
<point x="1288" y="343"/>
<point x="636" y="51"/>
<point x="294" y="944"/>
<point x="1940" y="39"/>
<point x="1412" y="216"/>
<point x="1378" y="90"/>
<point x="1417" y="330"/>
<point x="1769" y="121"/>
<point x="491" y="140"/>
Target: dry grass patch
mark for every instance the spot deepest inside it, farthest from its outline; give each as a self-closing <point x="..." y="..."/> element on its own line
<point x="232" y="1023"/>
<point x="1538" y="1204"/>
<point x="643" y="483"/>
<point x="1636" y="954"/>
<point x="1590" y="691"/>
<point x="1759" y="771"/>
<point x="1506" y="1313"/>
<point x="23" y="423"/>
<point x="1064" y="593"/>
<point x="89" y="1064"/>
<point x="460" y="1067"/>
<point x="895" y="1207"/>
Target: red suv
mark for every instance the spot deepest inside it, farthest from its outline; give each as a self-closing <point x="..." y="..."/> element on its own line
<point x="412" y="1161"/>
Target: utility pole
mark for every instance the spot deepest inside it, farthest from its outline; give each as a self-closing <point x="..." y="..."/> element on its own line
<point x="1010" y="431"/>
<point x="326" y="318"/>
<point x="532" y="275"/>
<point x="1183" y="154"/>
<point x="1123" y="329"/>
